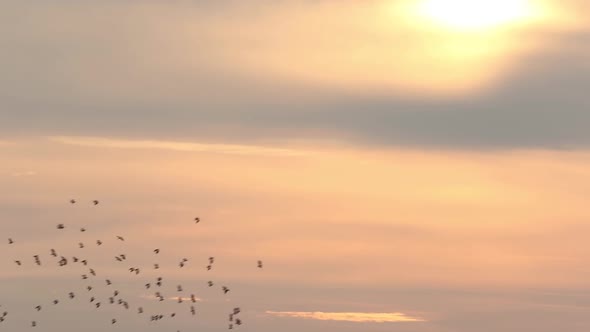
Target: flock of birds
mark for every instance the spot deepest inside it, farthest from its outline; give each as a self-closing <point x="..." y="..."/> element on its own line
<point x="116" y="298"/>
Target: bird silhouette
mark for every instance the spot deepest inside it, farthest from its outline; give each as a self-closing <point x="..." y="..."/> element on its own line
<point x="94" y="290"/>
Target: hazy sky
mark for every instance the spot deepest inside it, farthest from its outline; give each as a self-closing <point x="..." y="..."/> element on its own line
<point x="395" y="169"/>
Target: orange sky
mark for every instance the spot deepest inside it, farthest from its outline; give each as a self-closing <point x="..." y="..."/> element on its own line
<point x="394" y="171"/>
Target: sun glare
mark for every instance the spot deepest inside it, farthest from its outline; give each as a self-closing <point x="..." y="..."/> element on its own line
<point x="475" y="14"/>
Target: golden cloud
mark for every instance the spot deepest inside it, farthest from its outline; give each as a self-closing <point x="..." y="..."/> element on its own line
<point x="359" y="317"/>
<point x="235" y="149"/>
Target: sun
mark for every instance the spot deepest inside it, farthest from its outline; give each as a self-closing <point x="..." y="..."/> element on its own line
<point x="475" y="14"/>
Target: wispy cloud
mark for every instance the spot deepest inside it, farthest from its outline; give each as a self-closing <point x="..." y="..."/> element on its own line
<point x="170" y="298"/>
<point x="359" y="317"/>
<point x="23" y="173"/>
<point x="235" y="149"/>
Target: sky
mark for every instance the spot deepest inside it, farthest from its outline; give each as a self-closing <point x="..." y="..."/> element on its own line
<point x="398" y="165"/>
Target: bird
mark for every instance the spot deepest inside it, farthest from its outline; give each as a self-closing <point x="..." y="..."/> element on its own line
<point x="96" y="301"/>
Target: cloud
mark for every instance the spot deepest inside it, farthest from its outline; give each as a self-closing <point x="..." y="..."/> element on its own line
<point x="175" y="146"/>
<point x="358" y="317"/>
<point x="172" y="298"/>
<point x="24" y="173"/>
<point x="220" y="71"/>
